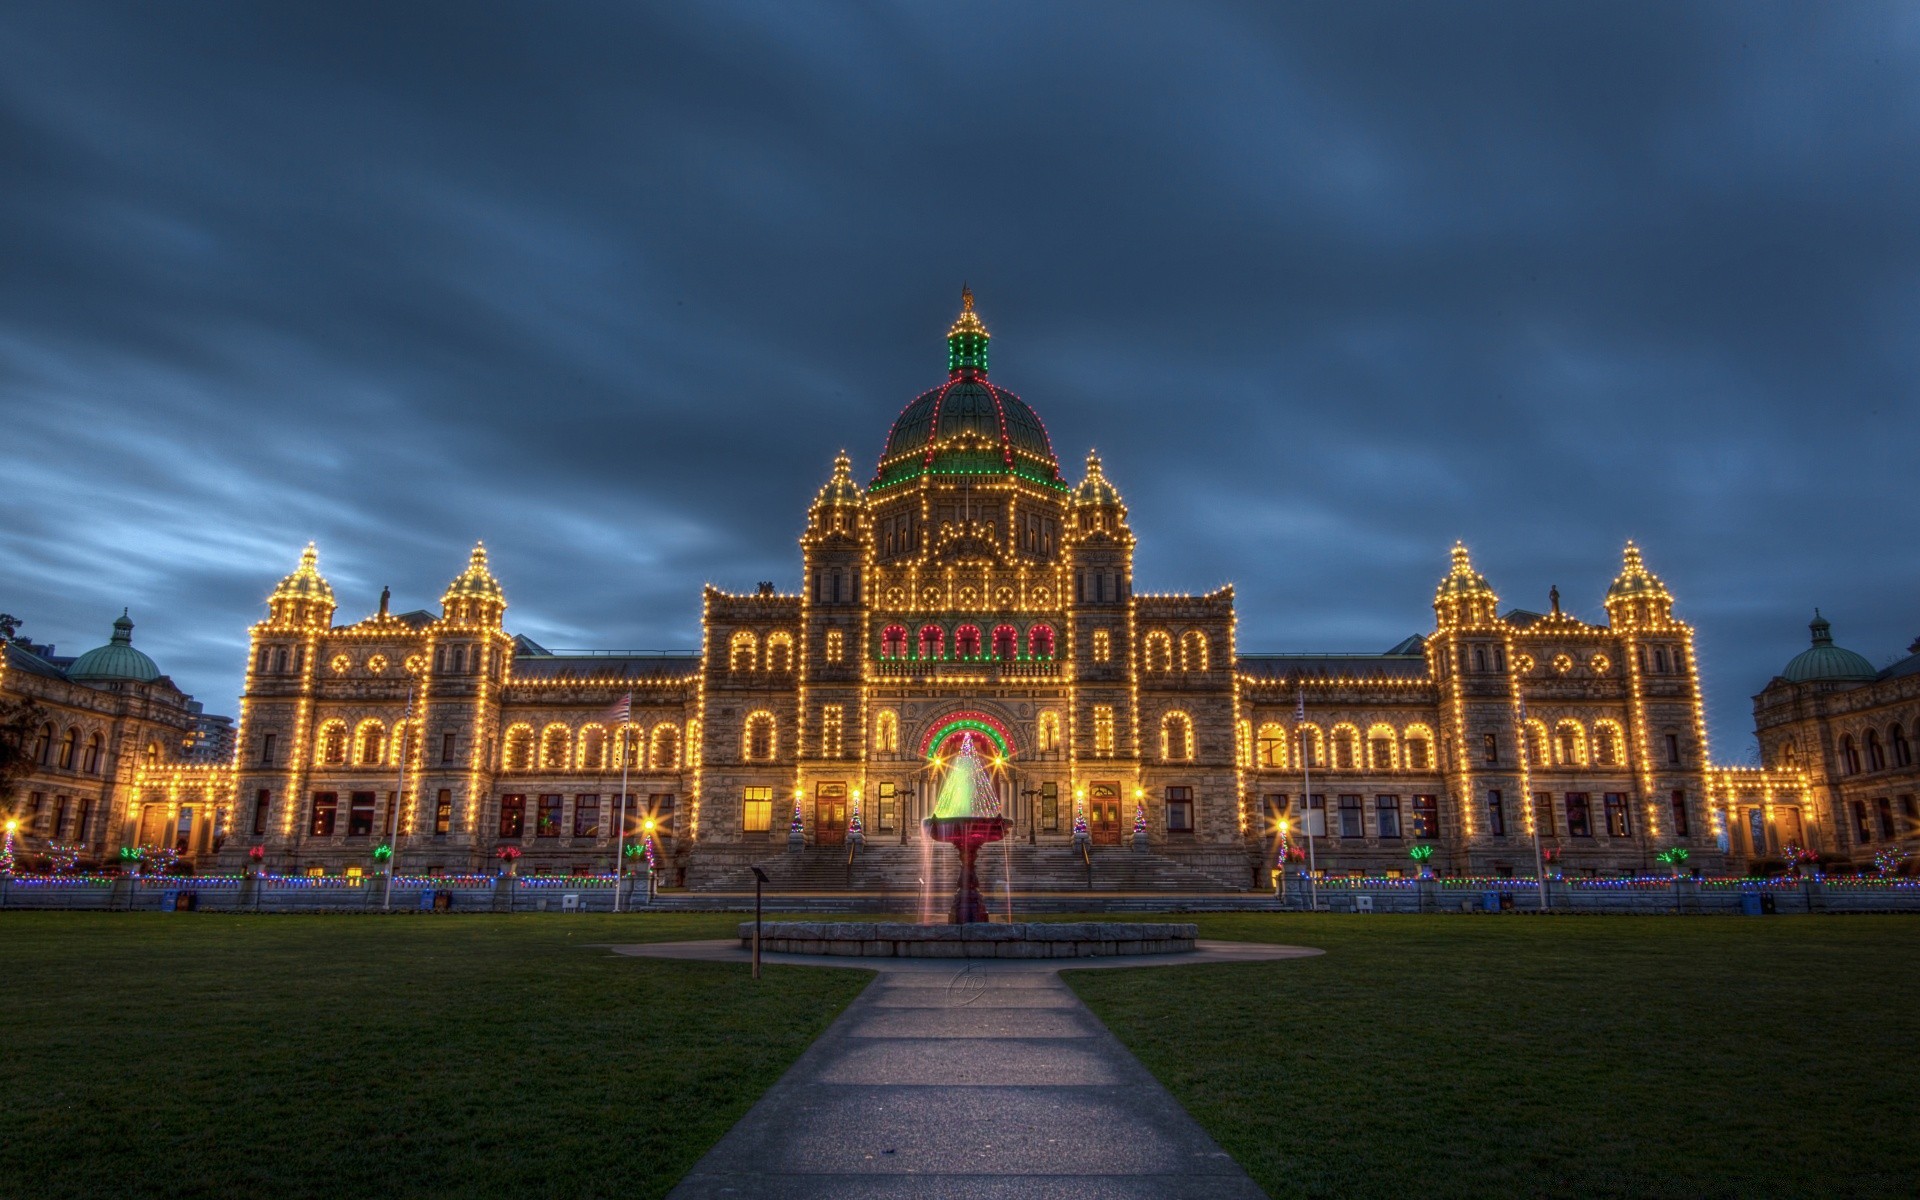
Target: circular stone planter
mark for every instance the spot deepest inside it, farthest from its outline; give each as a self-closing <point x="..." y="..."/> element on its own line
<point x="1059" y="939"/>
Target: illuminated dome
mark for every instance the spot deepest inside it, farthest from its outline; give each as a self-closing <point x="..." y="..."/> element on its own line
<point x="1824" y="661"/>
<point x="1635" y="581"/>
<point x="306" y="582"/>
<point x="476" y="582"/>
<point x="117" y="660"/>
<point x="967" y="426"/>
<point x="1095" y="489"/>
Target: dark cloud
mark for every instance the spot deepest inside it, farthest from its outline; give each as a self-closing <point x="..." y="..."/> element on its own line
<point x="608" y="285"/>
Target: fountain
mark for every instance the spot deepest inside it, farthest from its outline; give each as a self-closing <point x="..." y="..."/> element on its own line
<point x="966" y="816"/>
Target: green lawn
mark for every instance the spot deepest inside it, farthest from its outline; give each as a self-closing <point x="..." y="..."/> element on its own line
<point x="1475" y="1057"/>
<point x="212" y="1056"/>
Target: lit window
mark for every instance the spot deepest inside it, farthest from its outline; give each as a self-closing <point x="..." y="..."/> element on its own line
<point x="757" y="809"/>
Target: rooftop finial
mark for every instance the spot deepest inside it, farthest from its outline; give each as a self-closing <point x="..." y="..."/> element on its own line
<point x="967" y="338"/>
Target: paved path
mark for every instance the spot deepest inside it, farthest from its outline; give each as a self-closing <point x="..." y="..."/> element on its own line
<point x="985" y="1080"/>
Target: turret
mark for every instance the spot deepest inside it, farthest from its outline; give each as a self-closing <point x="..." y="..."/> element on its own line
<point x="1103" y="545"/>
<point x="1464" y="600"/>
<point x="304" y="599"/>
<point x="1637" y="599"/>
<point x="475" y="598"/>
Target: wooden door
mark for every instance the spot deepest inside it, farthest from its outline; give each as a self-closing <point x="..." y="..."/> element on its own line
<point x="830" y="814"/>
<point x="1103" y="813"/>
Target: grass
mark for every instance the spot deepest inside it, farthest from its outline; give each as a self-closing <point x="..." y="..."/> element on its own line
<point x="212" y="1056"/>
<point x="1450" y="1057"/>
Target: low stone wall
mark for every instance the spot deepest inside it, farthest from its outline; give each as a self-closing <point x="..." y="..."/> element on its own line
<point x="1092" y="939"/>
<point x="1685" y="896"/>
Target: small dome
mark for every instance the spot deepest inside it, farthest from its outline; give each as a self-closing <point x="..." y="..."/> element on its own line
<point x="1095" y="488"/>
<point x="841" y="489"/>
<point x="476" y="582"/>
<point x="1635" y="581"/>
<point x="306" y="582"/>
<point x="1826" y="662"/>
<point x="1463" y="580"/>
<point x="117" y="660"/>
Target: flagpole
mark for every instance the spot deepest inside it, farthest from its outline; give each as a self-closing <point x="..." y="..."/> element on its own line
<point x="1306" y="798"/>
<point x="620" y="843"/>
<point x="399" y="800"/>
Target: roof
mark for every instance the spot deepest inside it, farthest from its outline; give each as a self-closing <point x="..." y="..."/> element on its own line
<point x="606" y="664"/>
<point x="1910" y="665"/>
<point x="19" y="658"/>
<point x="1285" y="666"/>
<point x="1824" y="662"/>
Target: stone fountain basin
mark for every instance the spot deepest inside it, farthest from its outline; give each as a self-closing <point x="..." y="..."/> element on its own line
<point x="1036" y="939"/>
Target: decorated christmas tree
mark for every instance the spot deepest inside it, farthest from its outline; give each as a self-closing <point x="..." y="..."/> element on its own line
<point x="967" y="790"/>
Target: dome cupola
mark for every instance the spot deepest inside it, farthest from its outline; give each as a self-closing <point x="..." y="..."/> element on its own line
<point x="115" y="662"/>
<point x="304" y="598"/>
<point x="1464" y="596"/>
<point x="1824" y="662"/>
<point x="475" y="595"/>
<point x="1637" y="597"/>
<point x="840" y="508"/>
<point x="967" y="426"/>
<point x="1095" y="490"/>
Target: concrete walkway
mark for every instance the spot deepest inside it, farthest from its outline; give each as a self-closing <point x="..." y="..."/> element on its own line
<point x="980" y="1080"/>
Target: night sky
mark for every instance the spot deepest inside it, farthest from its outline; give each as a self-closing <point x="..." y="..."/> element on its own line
<point x="607" y="285"/>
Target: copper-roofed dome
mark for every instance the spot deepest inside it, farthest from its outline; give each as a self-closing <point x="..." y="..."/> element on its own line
<point x="1825" y="662"/>
<point x="117" y="660"/>
<point x="968" y="426"/>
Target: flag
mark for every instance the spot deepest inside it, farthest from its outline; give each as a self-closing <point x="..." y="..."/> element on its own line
<point x="622" y="711"/>
<point x="1300" y="705"/>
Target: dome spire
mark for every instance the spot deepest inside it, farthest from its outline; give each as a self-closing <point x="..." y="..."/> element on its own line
<point x="1821" y="629"/>
<point x="967" y="339"/>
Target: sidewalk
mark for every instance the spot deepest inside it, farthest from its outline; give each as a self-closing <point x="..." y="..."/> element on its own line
<point x="979" y="1080"/>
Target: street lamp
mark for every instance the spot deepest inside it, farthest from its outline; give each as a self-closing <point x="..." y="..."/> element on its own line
<point x="647" y="827"/>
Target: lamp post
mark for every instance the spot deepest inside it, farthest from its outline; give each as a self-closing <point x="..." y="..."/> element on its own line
<point x="1280" y="876"/>
<point x="646" y="832"/>
<point x="759" y="879"/>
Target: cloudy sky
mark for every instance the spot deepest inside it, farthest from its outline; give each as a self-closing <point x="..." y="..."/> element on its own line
<point x="607" y="285"/>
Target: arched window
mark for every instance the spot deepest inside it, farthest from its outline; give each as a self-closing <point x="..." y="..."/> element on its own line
<point x="369" y="743"/>
<point x="743" y="651"/>
<point x="92" y="760"/>
<point x="1193" y="651"/>
<point x="1243" y="743"/>
<point x="1316" y="747"/>
<point x="664" y="753"/>
<point x="1606" y="744"/>
<point x="153" y="754"/>
<point x="554" y="741"/>
<point x="1270" y="749"/>
<point x="520" y="748"/>
<point x="1876" y="754"/>
<point x="1536" y="735"/>
<point x="280" y="660"/>
<point x="1849" y="755"/>
<point x="966" y="642"/>
<point x="68" y="745"/>
<point x="630" y="748"/>
<point x="1176" y="737"/>
<point x="759" y="744"/>
<point x="1006" y="642"/>
<point x="459" y="660"/>
<point x="43" y="745"/>
<point x="1158" y="651"/>
<point x="886" y="732"/>
<point x="893" y="642"/>
<point x="1049" y="731"/>
<point x="333" y="744"/>
<point x="592" y="754"/>
<point x="1569" y="743"/>
<point x="780" y="651"/>
<point x="1040" y="641"/>
<point x="1345" y="747"/>
<point x="932" y="641"/>
<point x="1419" y="748"/>
<point x="1902" y="752"/>
<point x="1383" y="748"/>
<point x="693" y="742"/>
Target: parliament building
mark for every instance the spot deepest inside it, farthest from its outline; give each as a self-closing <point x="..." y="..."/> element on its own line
<point x="969" y="587"/>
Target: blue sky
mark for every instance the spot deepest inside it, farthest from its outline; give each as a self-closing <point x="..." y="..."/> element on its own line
<point x="608" y="285"/>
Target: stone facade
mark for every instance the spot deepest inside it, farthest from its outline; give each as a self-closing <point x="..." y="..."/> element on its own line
<point x="968" y="588"/>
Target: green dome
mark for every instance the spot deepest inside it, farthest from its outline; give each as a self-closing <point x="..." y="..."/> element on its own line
<point x="117" y="660"/>
<point x="1826" y="662"/>
<point x="967" y="426"/>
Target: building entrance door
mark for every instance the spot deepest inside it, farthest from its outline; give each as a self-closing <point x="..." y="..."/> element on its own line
<point x="830" y="814"/>
<point x="1103" y="813"/>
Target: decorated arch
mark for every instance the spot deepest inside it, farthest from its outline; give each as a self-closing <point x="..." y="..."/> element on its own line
<point x="956" y="723"/>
